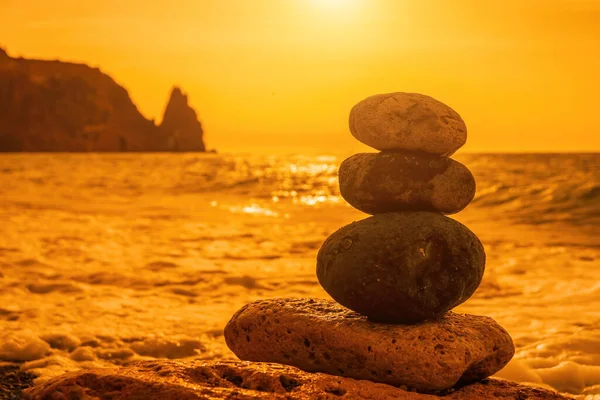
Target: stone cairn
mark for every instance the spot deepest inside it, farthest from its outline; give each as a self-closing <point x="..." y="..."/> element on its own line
<point x="397" y="274"/>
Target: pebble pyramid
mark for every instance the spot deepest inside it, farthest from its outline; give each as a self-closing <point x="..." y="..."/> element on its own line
<point x="395" y="276"/>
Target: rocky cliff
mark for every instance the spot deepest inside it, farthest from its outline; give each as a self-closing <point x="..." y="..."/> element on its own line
<point x="180" y="124"/>
<point x="60" y="106"/>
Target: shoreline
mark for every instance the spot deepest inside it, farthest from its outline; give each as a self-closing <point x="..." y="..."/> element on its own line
<point x="13" y="381"/>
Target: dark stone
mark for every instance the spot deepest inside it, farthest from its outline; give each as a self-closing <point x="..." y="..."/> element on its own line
<point x="405" y="181"/>
<point x="401" y="267"/>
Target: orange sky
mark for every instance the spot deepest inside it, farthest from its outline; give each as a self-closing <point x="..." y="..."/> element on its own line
<point x="282" y="75"/>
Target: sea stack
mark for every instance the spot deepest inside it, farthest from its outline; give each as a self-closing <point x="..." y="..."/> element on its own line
<point x="395" y="276"/>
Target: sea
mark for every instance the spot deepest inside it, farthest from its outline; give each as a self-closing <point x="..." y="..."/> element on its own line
<point x="106" y="259"/>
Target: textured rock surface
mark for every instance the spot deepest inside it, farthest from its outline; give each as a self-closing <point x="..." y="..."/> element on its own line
<point x="322" y="336"/>
<point x="169" y="380"/>
<point x="405" y="181"/>
<point x="407" y="121"/>
<point x="401" y="267"/>
<point x="61" y="106"/>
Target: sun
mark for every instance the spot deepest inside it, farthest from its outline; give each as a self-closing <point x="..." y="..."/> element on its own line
<point x="334" y="4"/>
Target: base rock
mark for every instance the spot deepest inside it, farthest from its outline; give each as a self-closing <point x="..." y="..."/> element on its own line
<point x="321" y="336"/>
<point x="170" y="380"/>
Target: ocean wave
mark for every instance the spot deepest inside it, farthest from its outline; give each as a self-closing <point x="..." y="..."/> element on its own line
<point x="529" y="189"/>
<point x="526" y="188"/>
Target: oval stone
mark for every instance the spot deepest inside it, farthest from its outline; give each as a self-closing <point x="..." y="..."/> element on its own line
<point x="405" y="181"/>
<point x="401" y="267"/>
<point x="407" y="121"/>
<point x="318" y="335"/>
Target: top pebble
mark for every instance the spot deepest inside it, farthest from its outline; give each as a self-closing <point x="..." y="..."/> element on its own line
<point x="407" y="121"/>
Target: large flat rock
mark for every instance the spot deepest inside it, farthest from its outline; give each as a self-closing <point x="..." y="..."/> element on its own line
<point x="321" y="336"/>
<point x="171" y="380"/>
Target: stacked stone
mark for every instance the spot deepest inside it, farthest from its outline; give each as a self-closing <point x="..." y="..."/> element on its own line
<point x="397" y="274"/>
<point x="409" y="263"/>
